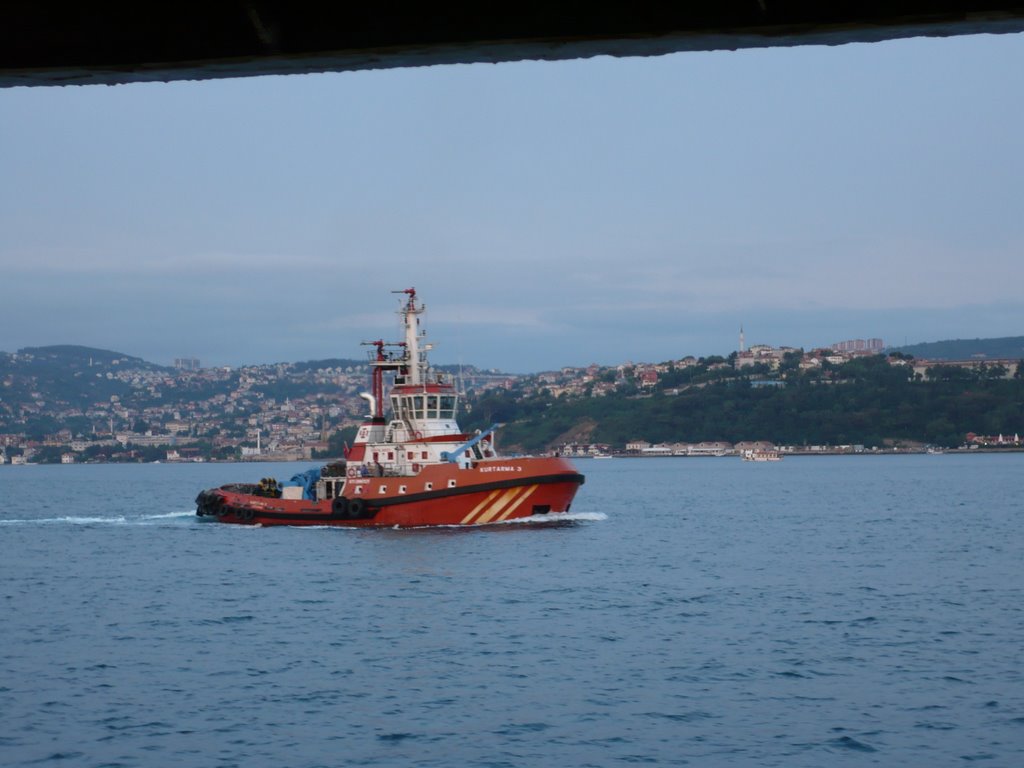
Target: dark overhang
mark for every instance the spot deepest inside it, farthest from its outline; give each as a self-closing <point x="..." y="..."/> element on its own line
<point x="46" y="43"/>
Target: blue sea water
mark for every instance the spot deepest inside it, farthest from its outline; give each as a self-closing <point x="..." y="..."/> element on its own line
<point x="818" y="611"/>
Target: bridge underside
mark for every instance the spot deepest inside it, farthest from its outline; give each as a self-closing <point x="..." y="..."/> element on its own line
<point x="46" y="43"/>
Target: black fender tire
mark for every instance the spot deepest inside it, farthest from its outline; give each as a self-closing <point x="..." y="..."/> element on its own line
<point x="340" y="508"/>
<point x="356" y="507"/>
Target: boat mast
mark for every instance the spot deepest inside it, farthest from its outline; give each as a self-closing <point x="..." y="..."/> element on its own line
<point x="410" y="318"/>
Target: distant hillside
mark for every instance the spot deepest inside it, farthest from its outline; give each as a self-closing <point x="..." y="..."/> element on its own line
<point x="66" y="375"/>
<point x="332" y="362"/>
<point x="1009" y="347"/>
<point x="864" y="401"/>
<point x="74" y="356"/>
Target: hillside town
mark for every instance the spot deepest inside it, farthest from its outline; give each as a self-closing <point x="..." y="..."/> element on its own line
<point x="765" y="366"/>
<point x="61" y="405"/>
<point x="280" y="412"/>
<point x="759" y="359"/>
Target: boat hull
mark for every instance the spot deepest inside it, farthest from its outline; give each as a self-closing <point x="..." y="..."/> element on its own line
<point x="439" y="495"/>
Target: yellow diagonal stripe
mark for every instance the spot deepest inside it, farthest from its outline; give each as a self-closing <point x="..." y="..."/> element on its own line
<point x="497" y="506"/>
<point x="478" y="507"/>
<point x="519" y="501"/>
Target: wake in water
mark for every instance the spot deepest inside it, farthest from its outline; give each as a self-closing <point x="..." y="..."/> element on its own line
<point x="97" y="520"/>
<point x="555" y="520"/>
<point x="567" y="518"/>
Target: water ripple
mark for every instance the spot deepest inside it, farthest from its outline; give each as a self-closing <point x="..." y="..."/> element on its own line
<point x="717" y="623"/>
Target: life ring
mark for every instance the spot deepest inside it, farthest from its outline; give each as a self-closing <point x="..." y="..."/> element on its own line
<point x="352" y="472"/>
<point x="355" y="508"/>
<point x="417" y="435"/>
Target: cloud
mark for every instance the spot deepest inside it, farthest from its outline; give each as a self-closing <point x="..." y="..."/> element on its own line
<point x="155" y="261"/>
<point x="594" y="210"/>
<point x="462" y="315"/>
<point x="897" y="273"/>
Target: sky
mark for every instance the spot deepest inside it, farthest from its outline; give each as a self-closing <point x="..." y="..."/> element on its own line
<point x="548" y="213"/>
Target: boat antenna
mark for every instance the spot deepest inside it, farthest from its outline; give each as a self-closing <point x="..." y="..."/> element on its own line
<point x="458" y="340"/>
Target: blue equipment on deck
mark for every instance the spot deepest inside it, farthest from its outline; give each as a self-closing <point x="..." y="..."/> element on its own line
<point x="307" y="481"/>
<point x="453" y="457"/>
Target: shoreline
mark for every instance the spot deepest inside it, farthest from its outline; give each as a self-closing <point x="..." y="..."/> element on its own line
<point x="783" y="451"/>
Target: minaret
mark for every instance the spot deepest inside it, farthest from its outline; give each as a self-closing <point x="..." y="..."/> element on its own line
<point x="743" y="345"/>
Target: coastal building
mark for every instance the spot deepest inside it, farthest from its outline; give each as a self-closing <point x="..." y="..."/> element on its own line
<point x="755" y="445"/>
<point x="583" y="450"/>
<point x="184" y="454"/>
<point x="873" y="346"/>
<point x="761" y="353"/>
<point x="661" y="449"/>
<point x="993" y="441"/>
<point x="709" y="448"/>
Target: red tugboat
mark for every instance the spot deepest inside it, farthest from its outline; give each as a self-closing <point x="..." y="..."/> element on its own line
<point x="416" y="469"/>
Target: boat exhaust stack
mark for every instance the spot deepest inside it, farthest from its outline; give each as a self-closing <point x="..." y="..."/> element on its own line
<point x="372" y="401"/>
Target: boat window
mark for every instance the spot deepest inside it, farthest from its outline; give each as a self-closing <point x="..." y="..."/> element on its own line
<point x="419" y="406"/>
<point x="359" y="490"/>
<point x="447" y="407"/>
<point x="431" y="406"/>
<point x="408" y="455"/>
<point x="391" y="455"/>
<point x="451" y="483"/>
<point x="401" y="489"/>
<point x="383" y="489"/>
<point x="424" y="455"/>
<point x="428" y="486"/>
